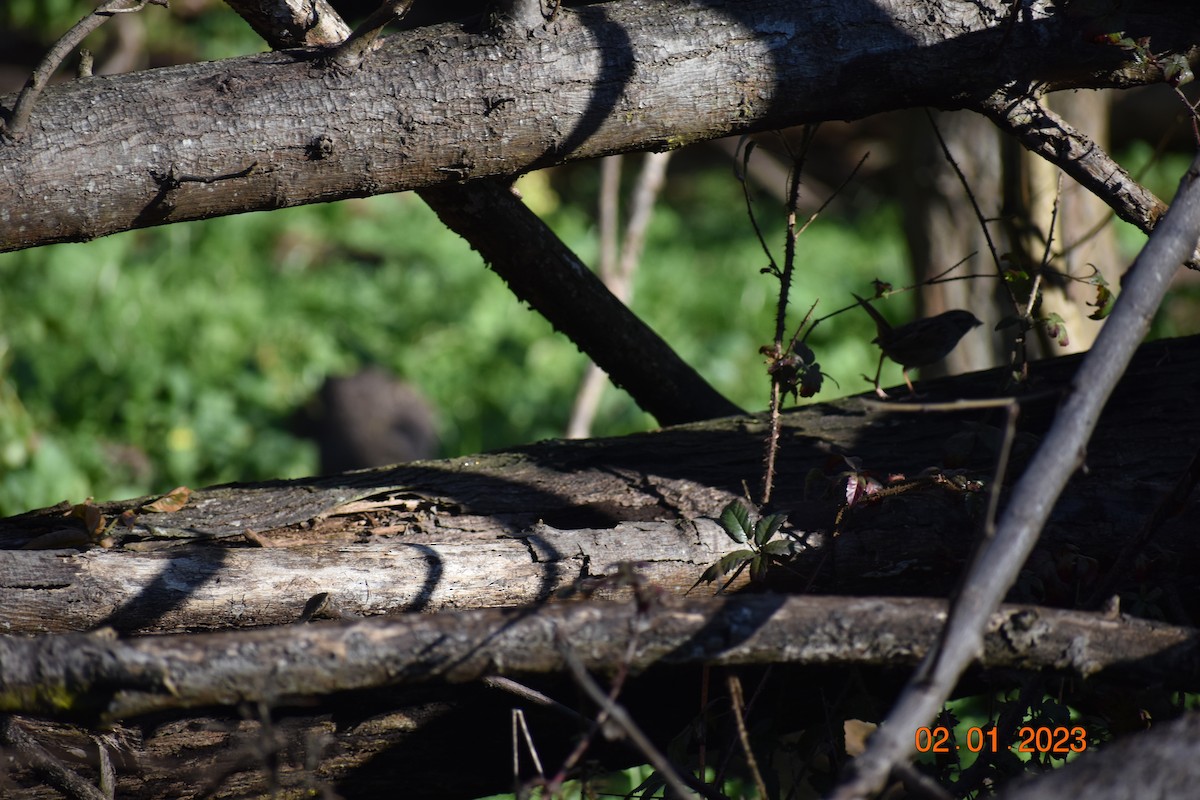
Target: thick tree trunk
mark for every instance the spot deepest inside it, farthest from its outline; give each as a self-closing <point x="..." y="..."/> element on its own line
<point x="441" y="104"/>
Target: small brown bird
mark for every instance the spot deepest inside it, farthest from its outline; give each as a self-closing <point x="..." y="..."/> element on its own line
<point x="920" y="342"/>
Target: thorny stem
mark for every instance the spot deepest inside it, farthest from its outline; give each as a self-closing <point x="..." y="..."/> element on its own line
<point x="1192" y="116"/>
<point x="789" y="251"/>
<point x="785" y="285"/>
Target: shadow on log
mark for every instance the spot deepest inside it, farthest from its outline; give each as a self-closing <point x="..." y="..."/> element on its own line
<point x="531" y="525"/>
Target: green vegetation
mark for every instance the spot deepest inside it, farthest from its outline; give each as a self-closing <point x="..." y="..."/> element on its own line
<point x="176" y="355"/>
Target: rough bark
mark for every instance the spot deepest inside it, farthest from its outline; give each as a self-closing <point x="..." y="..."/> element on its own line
<point x="89" y="677"/>
<point x="564" y="509"/>
<point x="434" y="535"/>
<point x="443" y="104"/>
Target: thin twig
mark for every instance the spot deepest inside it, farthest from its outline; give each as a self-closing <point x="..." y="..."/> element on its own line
<point x="621" y="717"/>
<point x="956" y="405"/>
<point x="746" y="146"/>
<point x="617" y="271"/>
<point x="533" y="696"/>
<point x="45" y="763"/>
<point x="519" y="726"/>
<point x="737" y="702"/>
<point x="1020" y="354"/>
<point x="833" y="195"/>
<point x="61" y="49"/>
<point x="350" y="53"/>
<point x="962" y="179"/>
<point x="997" y="564"/>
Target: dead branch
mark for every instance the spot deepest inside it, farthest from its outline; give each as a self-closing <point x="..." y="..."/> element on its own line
<point x="542" y="271"/>
<point x="998" y="561"/>
<point x="96" y="676"/>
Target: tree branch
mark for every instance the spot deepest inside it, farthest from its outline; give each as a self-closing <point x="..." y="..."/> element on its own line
<point x="513" y="240"/>
<point x="543" y="272"/>
<point x="440" y="105"/>
<point x="80" y="676"/>
<point x="293" y="23"/>
<point x="999" y="560"/>
<point x="15" y="125"/>
<point x="1048" y="135"/>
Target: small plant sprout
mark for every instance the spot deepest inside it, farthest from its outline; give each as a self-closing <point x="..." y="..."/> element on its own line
<point x="762" y="551"/>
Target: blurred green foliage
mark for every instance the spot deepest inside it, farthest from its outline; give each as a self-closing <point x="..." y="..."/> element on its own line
<point x="191" y="30"/>
<point x="176" y="355"/>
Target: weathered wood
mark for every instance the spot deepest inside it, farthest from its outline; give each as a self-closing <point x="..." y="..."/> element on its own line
<point x="1125" y="523"/>
<point x="442" y="104"/>
<point x="98" y="677"/>
<point x="365" y="737"/>
<point x="215" y="586"/>
<point x="509" y="528"/>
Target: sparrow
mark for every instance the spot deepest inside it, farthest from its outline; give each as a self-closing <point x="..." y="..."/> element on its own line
<point x="920" y="342"/>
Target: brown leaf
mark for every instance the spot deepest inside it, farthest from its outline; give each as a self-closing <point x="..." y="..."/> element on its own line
<point x="174" y="500"/>
<point x="857" y="733"/>
<point x="92" y="519"/>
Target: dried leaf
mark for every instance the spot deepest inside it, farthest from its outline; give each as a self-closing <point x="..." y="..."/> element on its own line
<point x="89" y="513"/>
<point x="857" y="732"/>
<point x="171" y="502"/>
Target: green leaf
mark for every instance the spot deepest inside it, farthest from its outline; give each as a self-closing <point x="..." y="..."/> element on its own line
<point x="709" y="575"/>
<point x="735" y="519"/>
<point x="766" y="527"/>
<point x="732" y="561"/>
<point x="780" y="548"/>
<point x="758" y="568"/>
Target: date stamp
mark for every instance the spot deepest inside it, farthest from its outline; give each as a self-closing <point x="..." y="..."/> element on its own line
<point x="1042" y="739"/>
